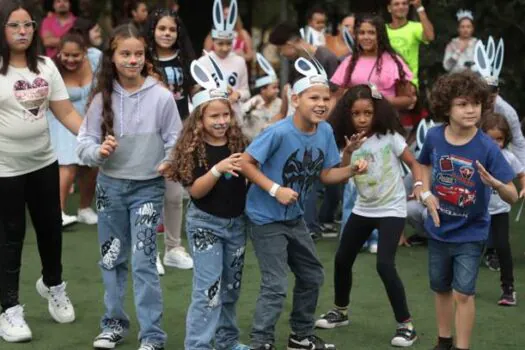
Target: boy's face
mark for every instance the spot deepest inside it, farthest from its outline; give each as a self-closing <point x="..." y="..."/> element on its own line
<point x="398" y="8"/>
<point x="313" y="103"/>
<point x="270" y="92"/>
<point x="465" y="113"/>
<point x="222" y="47"/>
<point x="318" y="21"/>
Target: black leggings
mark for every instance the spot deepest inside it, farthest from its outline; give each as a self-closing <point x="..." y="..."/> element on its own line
<point x="356" y="232"/>
<point x="499" y="229"/>
<point x="40" y="191"/>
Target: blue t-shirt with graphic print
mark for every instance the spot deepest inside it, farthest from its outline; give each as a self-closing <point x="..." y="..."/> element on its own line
<point x="290" y="158"/>
<point x="463" y="197"/>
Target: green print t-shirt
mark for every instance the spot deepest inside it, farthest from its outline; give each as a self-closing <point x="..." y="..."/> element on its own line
<point x="406" y="41"/>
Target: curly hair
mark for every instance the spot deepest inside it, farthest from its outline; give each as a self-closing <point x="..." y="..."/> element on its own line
<point x="190" y="150"/>
<point x="466" y="85"/>
<point x="383" y="46"/>
<point x="497" y="121"/>
<point x="385" y="117"/>
<point x="107" y="73"/>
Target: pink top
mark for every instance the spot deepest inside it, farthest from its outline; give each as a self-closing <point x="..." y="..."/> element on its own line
<point x="52" y="25"/>
<point x="386" y="82"/>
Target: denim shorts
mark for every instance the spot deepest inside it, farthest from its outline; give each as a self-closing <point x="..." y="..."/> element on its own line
<point x="454" y="266"/>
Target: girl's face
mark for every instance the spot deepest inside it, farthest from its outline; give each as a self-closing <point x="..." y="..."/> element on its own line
<point x="95" y="36"/>
<point x="271" y="91"/>
<point x="222" y="47"/>
<point x="465" y="29"/>
<point x="19" y="30"/>
<point x="129" y="57"/>
<point x="362" y="113"/>
<point x="367" y="37"/>
<point x="497" y="135"/>
<point x="71" y="56"/>
<point x="166" y="32"/>
<point x="465" y="113"/>
<point x="216" y="119"/>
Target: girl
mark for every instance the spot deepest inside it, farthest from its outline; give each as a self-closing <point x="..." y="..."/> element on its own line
<point x="130" y="126"/>
<point x="496" y="126"/>
<point x="380" y="204"/>
<point x="30" y="84"/>
<point x="206" y="160"/>
<point x="459" y="54"/>
<point x="77" y="71"/>
<point x="171" y="50"/>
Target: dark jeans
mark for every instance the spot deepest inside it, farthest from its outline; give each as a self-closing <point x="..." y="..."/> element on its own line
<point x="40" y="191"/>
<point x="356" y="232"/>
<point x="326" y="214"/>
<point x="499" y="230"/>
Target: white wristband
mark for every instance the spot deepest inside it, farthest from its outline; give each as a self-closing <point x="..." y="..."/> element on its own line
<point x="420" y="9"/>
<point x="215" y="172"/>
<point x="425" y="195"/>
<point x="417" y="183"/>
<point x="273" y="190"/>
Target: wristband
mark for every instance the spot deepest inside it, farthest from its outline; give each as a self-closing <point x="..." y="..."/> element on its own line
<point x="417" y="183"/>
<point x="215" y="172"/>
<point x="273" y="190"/>
<point x="425" y="195"/>
<point x="420" y="9"/>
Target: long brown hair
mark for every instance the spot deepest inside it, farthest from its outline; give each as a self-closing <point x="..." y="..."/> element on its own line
<point x="107" y="73"/>
<point x="190" y="150"/>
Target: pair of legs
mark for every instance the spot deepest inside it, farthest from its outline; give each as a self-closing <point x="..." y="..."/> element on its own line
<point x="453" y="270"/>
<point x="87" y="183"/>
<point x="314" y="218"/>
<point x="349" y="198"/>
<point x="499" y="234"/>
<point x="218" y="247"/>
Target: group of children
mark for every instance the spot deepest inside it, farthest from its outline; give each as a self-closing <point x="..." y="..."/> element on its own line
<point x="132" y="132"/>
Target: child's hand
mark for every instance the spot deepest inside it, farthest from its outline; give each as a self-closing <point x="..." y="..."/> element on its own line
<point x="359" y="167"/>
<point x="432" y="204"/>
<point x="286" y="196"/>
<point x="416" y="193"/>
<point x="108" y="146"/>
<point x="164" y="169"/>
<point x="233" y="95"/>
<point x="354" y="142"/>
<point x="487" y="179"/>
<point x="230" y="165"/>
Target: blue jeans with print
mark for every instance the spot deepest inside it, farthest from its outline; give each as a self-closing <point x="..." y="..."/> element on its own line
<point x="217" y="245"/>
<point x="349" y="198"/>
<point x="128" y="214"/>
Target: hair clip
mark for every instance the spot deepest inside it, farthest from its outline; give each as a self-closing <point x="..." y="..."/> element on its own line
<point x="374" y="91"/>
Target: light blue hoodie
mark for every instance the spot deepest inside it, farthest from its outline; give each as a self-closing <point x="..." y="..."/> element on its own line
<point x="146" y="125"/>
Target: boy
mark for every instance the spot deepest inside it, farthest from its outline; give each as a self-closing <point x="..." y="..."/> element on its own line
<point x="316" y="24"/>
<point x="461" y="165"/>
<point x="283" y="163"/>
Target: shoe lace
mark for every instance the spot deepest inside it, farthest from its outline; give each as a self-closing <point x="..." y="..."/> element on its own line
<point x="15" y="316"/>
<point x="404" y="332"/>
<point x="59" y="296"/>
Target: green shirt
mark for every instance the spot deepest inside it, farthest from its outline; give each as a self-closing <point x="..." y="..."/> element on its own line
<point x="406" y="40"/>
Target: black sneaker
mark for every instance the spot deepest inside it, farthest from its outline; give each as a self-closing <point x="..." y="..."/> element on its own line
<point x="108" y="340"/>
<point x="316" y="236"/>
<point x="311" y="342"/>
<point x="417" y="240"/>
<point x="492" y="262"/>
<point x="333" y="318"/>
<point x="404" y="337"/>
<point x="265" y="347"/>
<point x="508" y="297"/>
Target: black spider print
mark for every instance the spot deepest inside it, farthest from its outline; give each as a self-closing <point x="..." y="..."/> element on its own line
<point x="204" y="239"/>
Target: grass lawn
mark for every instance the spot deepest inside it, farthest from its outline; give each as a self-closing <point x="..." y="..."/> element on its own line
<point x="372" y="322"/>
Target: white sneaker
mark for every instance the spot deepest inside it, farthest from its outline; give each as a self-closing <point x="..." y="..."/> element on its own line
<point x="87" y="216"/>
<point x="108" y="340"/>
<point x="179" y="258"/>
<point x="13" y="327"/>
<point x="372" y="248"/>
<point x="160" y="268"/>
<point x="59" y="305"/>
<point x="68" y="219"/>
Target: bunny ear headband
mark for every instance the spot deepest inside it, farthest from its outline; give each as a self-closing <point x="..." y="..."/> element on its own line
<point x="214" y="84"/>
<point x="461" y="14"/>
<point x="223" y="28"/>
<point x="307" y="35"/>
<point x="489" y="60"/>
<point x="313" y="71"/>
<point x="349" y="39"/>
<point x="270" y="77"/>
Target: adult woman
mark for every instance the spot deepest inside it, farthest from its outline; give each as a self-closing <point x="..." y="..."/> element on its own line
<point x="459" y="54"/>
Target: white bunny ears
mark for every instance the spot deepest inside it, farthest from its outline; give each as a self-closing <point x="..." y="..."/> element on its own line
<point x="461" y="14"/>
<point x="270" y="77"/>
<point x="214" y="83"/>
<point x="307" y="35"/>
<point x="349" y="39"/>
<point x="313" y="71"/>
<point x="489" y="60"/>
<point x="223" y="28"/>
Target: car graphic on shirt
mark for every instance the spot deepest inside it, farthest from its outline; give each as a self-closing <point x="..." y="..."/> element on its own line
<point x="456" y="195"/>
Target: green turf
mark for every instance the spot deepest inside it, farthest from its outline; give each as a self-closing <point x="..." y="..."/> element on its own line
<point x="372" y="323"/>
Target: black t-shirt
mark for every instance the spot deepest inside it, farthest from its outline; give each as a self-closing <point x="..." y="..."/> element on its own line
<point x="228" y="197"/>
<point x="173" y="76"/>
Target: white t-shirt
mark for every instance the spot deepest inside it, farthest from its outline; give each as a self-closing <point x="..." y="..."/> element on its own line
<point x="381" y="192"/>
<point x="24" y="135"/>
<point x="496" y="204"/>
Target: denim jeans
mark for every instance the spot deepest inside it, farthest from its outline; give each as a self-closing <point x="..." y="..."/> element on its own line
<point x="281" y="246"/>
<point x="349" y="198"/>
<point x="218" y="246"/>
<point x="128" y="212"/>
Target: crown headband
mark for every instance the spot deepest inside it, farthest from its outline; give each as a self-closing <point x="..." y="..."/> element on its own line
<point x="215" y="87"/>
<point x="462" y="14"/>
<point x="223" y="29"/>
<point x="314" y="74"/>
<point x="270" y="77"/>
<point x="489" y="60"/>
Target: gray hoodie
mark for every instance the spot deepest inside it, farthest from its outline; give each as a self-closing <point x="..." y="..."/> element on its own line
<point x="146" y="124"/>
<point x="517" y="145"/>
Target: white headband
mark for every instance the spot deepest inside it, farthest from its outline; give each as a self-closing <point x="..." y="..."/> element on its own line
<point x="489" y="60"/>
<point x="270" y="77"/>
<point x="224" y="29"/>
<point x="462" y="14"/>
<point x="314" y="74"/>
<point x="214" y="89"/>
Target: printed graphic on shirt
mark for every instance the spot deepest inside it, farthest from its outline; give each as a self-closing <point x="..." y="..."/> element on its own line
<point x="32" y="96"/>
<point x="232" y="78"/>
<point x="453" y="184"/>
<point x="300" y="174"/>
<point x="174" y="78"/>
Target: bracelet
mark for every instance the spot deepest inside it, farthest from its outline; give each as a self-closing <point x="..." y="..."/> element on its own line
<point x="425" y="195"/>
<point x="420" y="9"/>
<point x="417" y="183"/>
<point x="215" y="172"/>
<point x="273" y="190"/>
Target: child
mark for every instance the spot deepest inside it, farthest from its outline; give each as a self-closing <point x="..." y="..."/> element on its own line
<point x="461" y="164"/>
<point x="207" y="160"/>
<point x="171" y="50"/>
<point x="283" y="163"/>
<point x="261" y="108"/>
<point x="380" y="204"/>
<point x="233" y="65"/>
<point x="130" y="126"/>
<point x="496" y="126"/>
